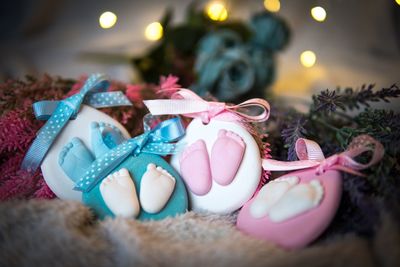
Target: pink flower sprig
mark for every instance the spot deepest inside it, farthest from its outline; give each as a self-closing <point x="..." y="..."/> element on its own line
<point x="17" y="130"/>
<point x="169" y="85"/>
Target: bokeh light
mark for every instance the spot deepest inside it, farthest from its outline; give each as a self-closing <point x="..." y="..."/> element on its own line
<point x="107" y="20"/>
<point x="398" y="2"/>
<point x="308" y="58"/>
<point x="318" y="13"/>
<point x="217" y="11"/>
<point x="273" y="5"/>
<point x="154" y="31"/>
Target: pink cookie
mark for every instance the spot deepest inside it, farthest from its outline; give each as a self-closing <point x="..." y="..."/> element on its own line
<point x="301" y="229"/>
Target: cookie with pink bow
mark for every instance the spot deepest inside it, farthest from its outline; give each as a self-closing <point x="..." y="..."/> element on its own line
<point x="221" y="162"/>
<point x="294" y="209"/>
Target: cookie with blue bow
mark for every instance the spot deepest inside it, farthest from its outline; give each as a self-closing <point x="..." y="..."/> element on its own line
<point x="128" y="177"/>
<point x="65" y="119"/>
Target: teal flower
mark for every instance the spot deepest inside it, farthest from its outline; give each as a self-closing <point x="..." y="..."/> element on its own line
<point x="264" y="66"/>
<point x="269" y="31"/>
<point x="214" y="44"/>
<point x="227" y="75"/>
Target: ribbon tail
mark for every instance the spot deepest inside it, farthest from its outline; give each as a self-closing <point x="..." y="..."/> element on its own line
<point x="107" y="99"/>
<point x="276" y="165"/>
<point x="45" y="138"/>
<point x="347" y="169"/>
<point x="163" y="150"/>
<point x="175" y="106"/>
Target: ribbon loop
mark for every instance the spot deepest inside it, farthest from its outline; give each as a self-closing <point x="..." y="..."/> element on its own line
<point x="58" y="113"/>
<point x="155" y="141"/>
<point x="187" y="103"/>
<point x="308" y="150"/>
<point x="310" y="156"/>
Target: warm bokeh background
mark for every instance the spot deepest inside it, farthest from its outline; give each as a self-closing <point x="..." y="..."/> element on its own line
<point x="359" y="42"/>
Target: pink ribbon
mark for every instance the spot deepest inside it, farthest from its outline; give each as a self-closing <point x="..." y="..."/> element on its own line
<point x="189" y="104"/>
<point x="310" y="156"/>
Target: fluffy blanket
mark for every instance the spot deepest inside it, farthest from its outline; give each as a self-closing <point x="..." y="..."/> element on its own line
<point x="63" y="233"/>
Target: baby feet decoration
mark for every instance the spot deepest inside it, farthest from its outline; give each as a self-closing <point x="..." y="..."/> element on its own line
<point x="269" y="195"/>
<point x="305" y="199"/>
<point x="119" y="194"/>
<point x="197" y="179"/>
<point x="66" y="119"/>
<point x="224" y="165"/>
<point x="226" y="157"/>
<point x="156" y="186"/>
<point x="128" y="178"/>
<point x="221" y="163"/>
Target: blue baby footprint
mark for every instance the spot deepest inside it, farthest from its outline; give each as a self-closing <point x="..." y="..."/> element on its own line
<point x="75" y="159"/>
<point x="112" y="136"/>
<point x="104" y="137"/>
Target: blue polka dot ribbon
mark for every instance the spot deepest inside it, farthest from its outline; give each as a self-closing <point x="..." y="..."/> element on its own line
<point x="155" y="141"/>
<point x="58" y="113"/>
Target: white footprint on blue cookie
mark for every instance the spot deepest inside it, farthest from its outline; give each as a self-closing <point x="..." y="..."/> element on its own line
<point x="156" y="188"/>
<point x="119" y="194"/>
<point x="270" y="193"/>
<point x="297" y="200"/>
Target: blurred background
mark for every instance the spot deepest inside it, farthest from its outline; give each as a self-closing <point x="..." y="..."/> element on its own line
<point x="348" y="42"/>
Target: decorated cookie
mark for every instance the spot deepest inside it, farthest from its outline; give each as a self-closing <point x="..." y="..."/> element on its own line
<point x="220" y="162"/>
<point x="294" y="209"/>
<point x="67" y="119"/>
<point x="143" y="187"/>
<point x="127" y="178"/>
<point x="220" y="165"/>
<point x="80" y="128"/>
<point x="292" y="214"/>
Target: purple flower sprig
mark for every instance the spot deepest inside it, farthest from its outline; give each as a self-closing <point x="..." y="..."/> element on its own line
<point x="349" y="98"/>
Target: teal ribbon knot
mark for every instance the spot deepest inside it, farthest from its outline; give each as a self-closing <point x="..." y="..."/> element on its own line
<point x="58" y="113"/>
<point x="155" y="141"/>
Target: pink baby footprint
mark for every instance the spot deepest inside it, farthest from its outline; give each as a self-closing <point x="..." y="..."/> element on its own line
<point x="226" y="156"/>
<point x="195" y="168"/>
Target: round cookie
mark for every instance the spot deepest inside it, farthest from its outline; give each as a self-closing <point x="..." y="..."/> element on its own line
<point x="177" y="203"/>
<point x="220" y="198"/>
<point x="54" y="176"/>
<point x="300" y="230"/>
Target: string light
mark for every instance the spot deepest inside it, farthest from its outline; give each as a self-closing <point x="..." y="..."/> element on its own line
<point x="318" y="13"/>
<point x="217" y="11"/>
<point x="154" y="31"/>
<point x="308" y="58"/>
<point x="273" y="5"/>
<point x="107" y="20"/>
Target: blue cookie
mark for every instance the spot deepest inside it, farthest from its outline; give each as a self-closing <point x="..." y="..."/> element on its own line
<point x="137" y="166"/>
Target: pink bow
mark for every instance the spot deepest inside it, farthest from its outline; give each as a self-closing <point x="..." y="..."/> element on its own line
<point x="189" y="104"/>
<point x="310" y="156"/>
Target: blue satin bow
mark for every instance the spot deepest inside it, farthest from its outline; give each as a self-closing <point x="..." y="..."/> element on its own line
<point x="154" y="141"/>
<point x="58" y="113"/>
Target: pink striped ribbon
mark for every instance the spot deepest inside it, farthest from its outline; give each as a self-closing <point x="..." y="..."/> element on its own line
<point x="311" y="156"/>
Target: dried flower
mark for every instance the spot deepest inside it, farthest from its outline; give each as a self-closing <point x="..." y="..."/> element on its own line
<point x="328" y="101"/>
<point x="350" y="98"/>
<point x="291" y="133"/>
